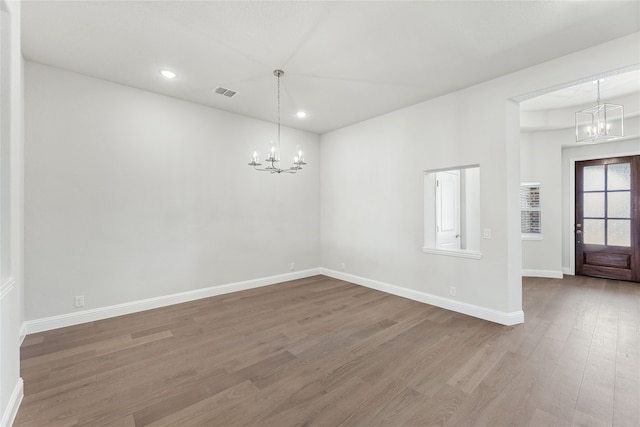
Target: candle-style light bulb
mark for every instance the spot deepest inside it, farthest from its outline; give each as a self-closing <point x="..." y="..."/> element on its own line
<point x="273" y="153"/>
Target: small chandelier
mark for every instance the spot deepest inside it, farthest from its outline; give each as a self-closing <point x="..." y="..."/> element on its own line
<point x="600" y="123"/>
<point x="273" y="156"/>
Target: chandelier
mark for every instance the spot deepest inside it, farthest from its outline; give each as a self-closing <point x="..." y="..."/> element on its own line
<point x="273" y="156"/>
<point x="600" y="123"/>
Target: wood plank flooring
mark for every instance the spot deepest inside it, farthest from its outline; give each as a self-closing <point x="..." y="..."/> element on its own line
<point x="323" y="352"/>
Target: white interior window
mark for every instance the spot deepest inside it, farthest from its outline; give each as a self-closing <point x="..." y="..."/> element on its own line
<point x="452" y="211"/>
<point x="530" y="211"/>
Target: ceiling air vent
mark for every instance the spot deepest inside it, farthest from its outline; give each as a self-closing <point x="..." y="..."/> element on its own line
<point x="224" y="91"/>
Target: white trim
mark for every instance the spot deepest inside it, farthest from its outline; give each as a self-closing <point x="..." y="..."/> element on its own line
<point x="9" y="415"/>
<point x="572" y="214"/>
<point x="455" y="253"/>
<point x="7" y="287"/>
<point x="453" y="168"/>
<point x="501" y="317"/>
<point x="568" y="271"/>
<point x="550" y="274"/>
<point x="60" y="321"/>
<point x="531" y="237"/>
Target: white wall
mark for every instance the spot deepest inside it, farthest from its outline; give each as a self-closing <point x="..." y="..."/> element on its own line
<point x="540" y="161"/>
<point x="11" y="187"/>
<point x="372" y="208"/>
<point x="132" y="195"/>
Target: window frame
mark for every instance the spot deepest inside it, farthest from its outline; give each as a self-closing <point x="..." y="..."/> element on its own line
<point x="531" y="235"/>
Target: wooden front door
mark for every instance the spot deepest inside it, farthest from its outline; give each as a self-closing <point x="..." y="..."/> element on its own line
<point x="607" y="228"/>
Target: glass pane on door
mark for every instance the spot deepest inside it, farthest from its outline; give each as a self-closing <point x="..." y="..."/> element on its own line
<point x="593" y="178"/>
<point x="593" y="231"/>
<point x="619" y="204"/>
<point x="619" y="176"/>
<point x="594" y="205"/>
<point x="619" y="232"/>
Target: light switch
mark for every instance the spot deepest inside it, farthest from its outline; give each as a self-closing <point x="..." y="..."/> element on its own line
<point x="486" y="233"/>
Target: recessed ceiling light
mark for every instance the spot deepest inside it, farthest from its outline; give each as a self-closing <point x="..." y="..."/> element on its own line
<point x="301" y="114"/>
<point x="168" y="74"/>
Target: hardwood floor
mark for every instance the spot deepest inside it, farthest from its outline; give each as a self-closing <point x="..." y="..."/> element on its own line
<point x="323" y="352"/>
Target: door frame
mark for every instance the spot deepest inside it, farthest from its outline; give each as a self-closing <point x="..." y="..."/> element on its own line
<point x="572" y="200"/>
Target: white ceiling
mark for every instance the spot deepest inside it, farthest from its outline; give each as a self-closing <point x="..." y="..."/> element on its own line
<point x="585" y="93"/>
<point x="344" y="61"/>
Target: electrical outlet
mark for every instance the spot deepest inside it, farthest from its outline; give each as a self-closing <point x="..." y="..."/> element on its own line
<point x="486" y="233"/>
<point x="292" y="266"/>
<point x="78" y="301"/>
<point x="452" y="291"/>
<point x="342" y="266"/>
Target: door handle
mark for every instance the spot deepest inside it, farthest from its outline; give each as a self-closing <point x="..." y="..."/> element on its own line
<point x="457" y="235"/>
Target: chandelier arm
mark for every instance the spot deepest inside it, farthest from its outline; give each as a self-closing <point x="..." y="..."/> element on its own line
<point x="273" y="169"/>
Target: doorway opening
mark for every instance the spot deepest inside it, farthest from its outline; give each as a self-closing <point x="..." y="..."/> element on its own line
<point x="549" y="152"/>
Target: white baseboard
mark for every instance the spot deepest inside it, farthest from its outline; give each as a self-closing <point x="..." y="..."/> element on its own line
<point x="10" y="412"/>
<point x="549" y="274"/>
<point x="568" y="271"/>
<point x="61" y="321"/>
<point x="501" y="317"/>
<point x="70" y="319"/>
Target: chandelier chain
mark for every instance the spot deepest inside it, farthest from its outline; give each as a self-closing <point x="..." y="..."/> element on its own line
<point x="278" y="75"/>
